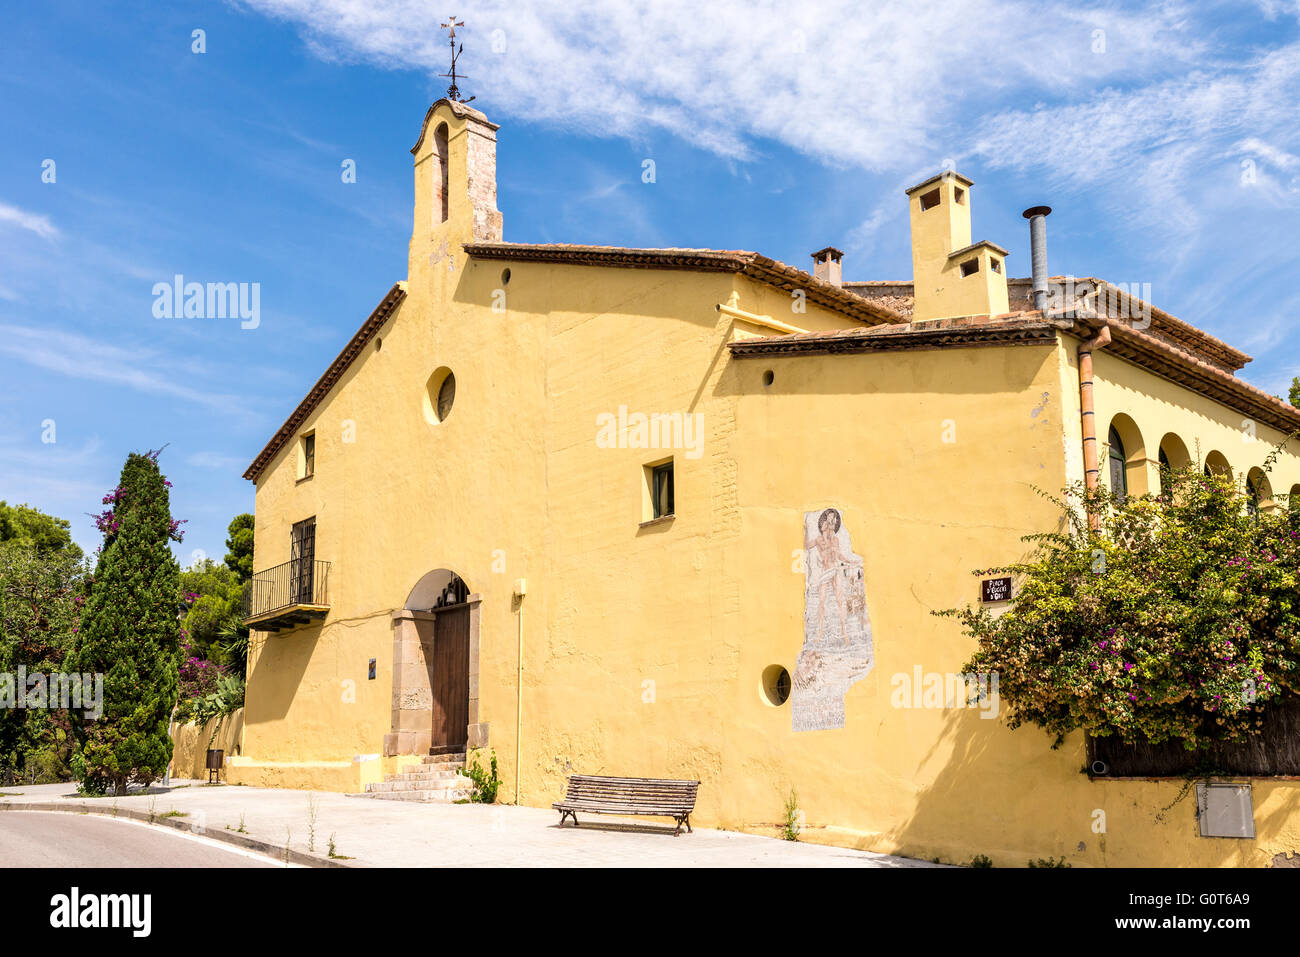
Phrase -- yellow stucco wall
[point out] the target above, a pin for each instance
(644, 646)
(190, 743)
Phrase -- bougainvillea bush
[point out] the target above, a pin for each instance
(1177, 620)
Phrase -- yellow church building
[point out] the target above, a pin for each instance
(685, 513)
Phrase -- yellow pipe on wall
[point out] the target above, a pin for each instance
(521, 588)
(757, 320)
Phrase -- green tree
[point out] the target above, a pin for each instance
(1294, 395)
(213, 593)
(131, 633)
(21, 523)
(239, 557)
(1179, 619)
(41, 590)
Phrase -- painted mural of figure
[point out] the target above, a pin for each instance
(837, 573)
(837, 644)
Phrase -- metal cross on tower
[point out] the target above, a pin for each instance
(453, 91)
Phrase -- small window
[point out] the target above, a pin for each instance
(446, 396)
(776, 685)
(970, 267)
(439, 396)
(1116, 461)
(930, 200)
(995, 265)
(307, 461)
(959, 195)
(659, 491)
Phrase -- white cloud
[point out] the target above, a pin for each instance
(832, 79)
(32, 222)
(216, 461)
(80, 357)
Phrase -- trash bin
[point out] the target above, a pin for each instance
(216, 757)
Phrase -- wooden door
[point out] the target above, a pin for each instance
(450, 680)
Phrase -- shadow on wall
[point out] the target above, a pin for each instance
(1000, 793)
(190, 743)
(1007, 795)
(280, 663)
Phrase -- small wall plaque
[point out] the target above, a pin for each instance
(995, 589)
(372, 669)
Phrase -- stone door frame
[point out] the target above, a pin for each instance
(412, 705)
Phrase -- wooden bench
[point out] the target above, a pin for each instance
(659, 797)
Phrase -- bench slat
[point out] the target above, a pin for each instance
(604, 794)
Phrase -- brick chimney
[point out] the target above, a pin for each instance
(827, 266)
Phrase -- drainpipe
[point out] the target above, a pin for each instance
(767, 321)
(521, 588)
(1091, 468)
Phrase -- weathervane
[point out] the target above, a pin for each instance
(453, 91)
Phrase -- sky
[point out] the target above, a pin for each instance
(133, 149)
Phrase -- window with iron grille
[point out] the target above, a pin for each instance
(302, 555)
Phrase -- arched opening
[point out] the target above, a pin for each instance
(1126, 457)
(1293, 499)
(1216, 463)
(1173, 456)
(435, 668)
(437, 589)
(1259, 492)
(440, 173)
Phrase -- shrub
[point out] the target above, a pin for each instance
(1178, 619)
(486, 782)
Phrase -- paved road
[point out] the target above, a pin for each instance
(406, 834)
(59, 839)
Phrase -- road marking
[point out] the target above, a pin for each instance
(187, 835)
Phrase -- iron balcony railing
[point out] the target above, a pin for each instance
(297, 582)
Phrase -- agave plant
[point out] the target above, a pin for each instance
(219, 704)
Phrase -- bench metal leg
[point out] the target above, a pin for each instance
(572, 814)
(684, 819)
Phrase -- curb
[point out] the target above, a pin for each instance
(180, 824)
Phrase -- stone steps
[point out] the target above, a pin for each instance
(400, 783)
(435, 780)
(443, 796)
(456, 760)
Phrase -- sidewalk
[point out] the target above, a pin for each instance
(402, 834)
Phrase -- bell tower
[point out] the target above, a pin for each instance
(455, 178)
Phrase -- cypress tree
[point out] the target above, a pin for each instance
(130, 633)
